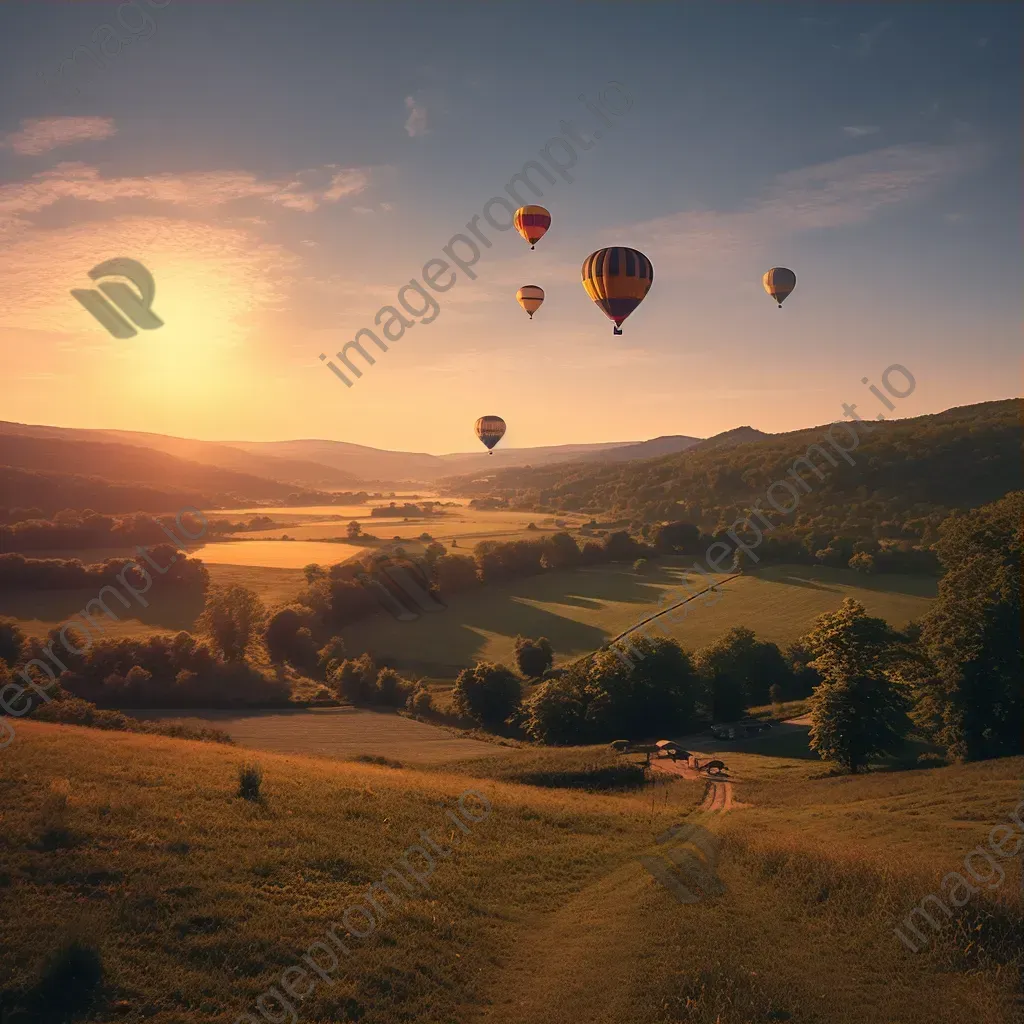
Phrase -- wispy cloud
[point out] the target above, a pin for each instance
(41, 134)
(828, 195)
(855, 131)
(416, 122)
(305, 191)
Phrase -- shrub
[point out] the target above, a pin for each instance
(488, 694)
(641, 564)
(775, 693)
(250, 778)
(355, 680)
(288, 637)
(533, 657)
(420, 702)
(69, 982)
(391, 689)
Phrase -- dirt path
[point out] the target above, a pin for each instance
(718, 797)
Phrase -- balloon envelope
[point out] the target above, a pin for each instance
(531, 222)
(490, 430)
(617, 279)
(530, 297)
(778, 283)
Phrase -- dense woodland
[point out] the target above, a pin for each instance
(906, 477)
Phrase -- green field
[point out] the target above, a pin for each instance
(38, 611)
(186, 902)
(581, 609)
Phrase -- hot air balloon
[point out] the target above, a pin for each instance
(778, 283)
(617, 279)
(530, 297)
(531, 222)
(490, 430)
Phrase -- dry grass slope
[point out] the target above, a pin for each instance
(193, 901)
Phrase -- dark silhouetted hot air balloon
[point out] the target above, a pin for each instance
(490, 430)
(530, 297)
(778, 283)
(531, 222)
(617, 279)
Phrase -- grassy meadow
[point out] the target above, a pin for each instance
(188, 902)
(578, 610)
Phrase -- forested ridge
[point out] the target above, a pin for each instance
(906, 476)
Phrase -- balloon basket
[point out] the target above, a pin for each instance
(616, 330)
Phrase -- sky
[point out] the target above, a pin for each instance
(282, 170)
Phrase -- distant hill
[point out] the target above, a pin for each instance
(293, 472)
(339, 465)
(668, 444)
(376, 464)
(728, 438)
(51, 492)
(122, 463)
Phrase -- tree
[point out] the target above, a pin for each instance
(391, 689)
(12, 640)
(489, 694)
(739, 665)
(557, 712)
(972, 634)
(433, 551)
(234, 620)
(862, 562)
(353, 530)
(856, 713)
(354, 679)
(533, 657)
(314, 572)
(678, 535)
(288, 637)
(561, 552)
(330, 656)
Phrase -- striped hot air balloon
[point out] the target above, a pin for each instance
(531, 222)
(530, 297)
(490, 430)
(778, 283)
(617, 279)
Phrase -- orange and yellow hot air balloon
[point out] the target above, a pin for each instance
(778, 283)
(617, 279)
(531, 222)
(490, 430)
(530, 297)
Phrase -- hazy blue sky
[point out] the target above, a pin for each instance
(283, 168)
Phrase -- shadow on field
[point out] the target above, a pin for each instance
(821, 577)
(173, 610)
(457, 636)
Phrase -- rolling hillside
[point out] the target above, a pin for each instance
(140, 886)
(904, 469)
(296, 472)
(122, 463)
